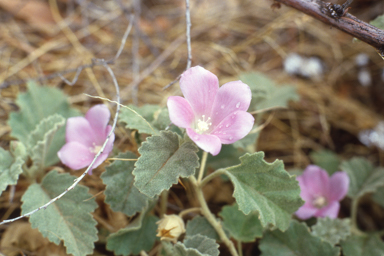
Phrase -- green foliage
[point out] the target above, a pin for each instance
(364, 178)
(40, 140)
(120, 192)
(369, 245)
(148, 119)
(10, 169)
(332, 230)
(265, 92)
(244, 228)
(378, 196)
(162, 162)
(378, 22)
(137, 236)
(229, 155)
(200, 225)
(196, 245)
(35, 105)
(296, 241)
(68, 219)
(327, 160)
(266, 188)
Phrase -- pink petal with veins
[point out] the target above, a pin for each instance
(339, 184)
(231, 97)
(206, 142)
(234, 127)
(98, 118)
(199, 87)
(180, 112)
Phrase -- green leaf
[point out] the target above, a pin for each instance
(137, 236)
(370, 245)
(146, 119)
(40, 139)
(378, 196)
(10, 169)
(266, 188)
(162, 162)
(120, 192)
(265, 92)
(378, 22)
(68, 219)
(296, 241)
(244, 228)
(203, 244)
(36, 104)
(200, 225)
(364, 178)
(196, 245)
(332, 230)
(327, 160)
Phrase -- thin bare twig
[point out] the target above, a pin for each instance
(188, 24)
(345, 22)
(189, 47)
(103, 63)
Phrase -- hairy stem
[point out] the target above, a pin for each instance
(211, 218)
(202, 166)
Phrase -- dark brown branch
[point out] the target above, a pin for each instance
(347, 23)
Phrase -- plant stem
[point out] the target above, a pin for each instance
(211, 176)
(163, 202)
(202, 166)
(239, 248)
(211, 218)
(354, 227)
(187, 211)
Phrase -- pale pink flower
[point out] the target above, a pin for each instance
(211, 115)
(85, 137)
(321, 193)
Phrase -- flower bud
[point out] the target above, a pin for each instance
(170, 227)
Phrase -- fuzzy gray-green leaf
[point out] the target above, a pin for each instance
(266, 188)
(120, 192)
(162, 162)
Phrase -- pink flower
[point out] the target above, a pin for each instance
(85, 137)
(321, 193)
(211, 115)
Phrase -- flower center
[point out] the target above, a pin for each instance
(319, 202)
(203, 125)
(95, 149)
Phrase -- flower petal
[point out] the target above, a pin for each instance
(75, 155)
(339, 184)
(206, 142)
(331, 210)
(306, 211)
(199, 87)
(231, 97)
(316, 181)
(180, 111)
(234, 127)
(304, 193)
(98, 118)
(78, 129)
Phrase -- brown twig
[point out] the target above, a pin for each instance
(347, 22)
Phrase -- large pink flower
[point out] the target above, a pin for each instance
(85, 137)
(321, 193)
(211, 115)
